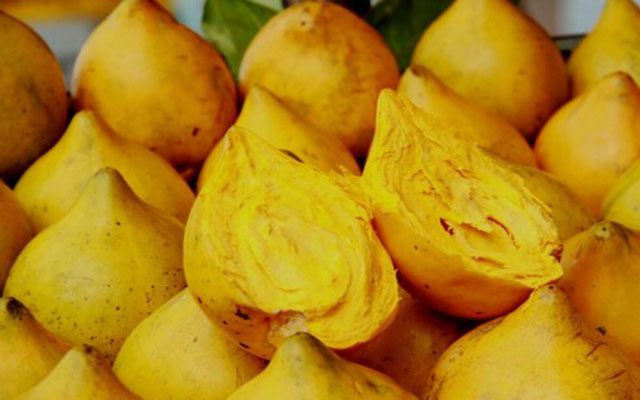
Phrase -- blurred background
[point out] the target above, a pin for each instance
(65, 24)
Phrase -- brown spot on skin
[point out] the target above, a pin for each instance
(195, 131)
(242, 315)
(602, 330)
(557, 253)
(446, 227)
(615, 375)
(15, 308)
(593, 350)
(244, 346)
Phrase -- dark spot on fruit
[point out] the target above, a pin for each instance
(225, 323)
(602, 330)
(557, 253)
(292, 155)
(244, 346)
(241, 314)
(446, 227)
(195, 131)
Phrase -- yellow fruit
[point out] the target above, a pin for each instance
(408, 349)
(464, 231)
(542, 350)
(33, 104)
(602, 281)
(274, 247)
(95, 274)
(326, 64)
(590, 141)
(177, 353)
(622, 203)
(568, 212)
(15, 231)
(156, 82)
(80, 375)
(303, 368)
(28, 352)
(481, 126)
(266, 117)
(53, 183)
(611, 46)
(493, 54)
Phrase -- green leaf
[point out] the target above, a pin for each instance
(402, 23)
(231, 24)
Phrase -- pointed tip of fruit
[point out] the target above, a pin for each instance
(303, 346)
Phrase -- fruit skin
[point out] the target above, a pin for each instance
(591, 140)
(48, 189)
(569, 214)
(82, 374)
(265, 116)
(15, 231)
(44, 10)
(542, 350)
(94, 275)
(465, 233)
(602, 281)
(267, 260)
(28, 351)
(622, 202)
(487, 129)
(326, 64)
(33, 105)
(177, 353)
(408, 349)
(471, 49)
(156, 82)
(304, 369)
(611, 46)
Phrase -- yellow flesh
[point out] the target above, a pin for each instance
(290, 243)
(470, 205)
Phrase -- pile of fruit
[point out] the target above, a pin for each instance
(351, 234)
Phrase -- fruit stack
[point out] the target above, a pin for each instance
(464, 231)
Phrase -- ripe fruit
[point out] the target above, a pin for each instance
(28, 352)
(15, 231)
(81, 375)
(590, 141)
(493, 54)
(466, 234)
(156, 82)
(602, 281)
(274, 247)
(622, 203)
(611, 46)
(326, 64)
(481, 126)
(568, 212)
(303, 368)
(543, 350)
(48, 189)
(177, 353)
(95, 274)
(408, 349)
(33, 105)
(268, 118)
